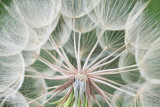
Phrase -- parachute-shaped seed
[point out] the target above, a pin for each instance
(39, 36)
(147, 96)
(111, 40)
(142, 29)
(34, 87)
(13, 31)
(112, 14)
(77, 8)
(11, 74)
(149, 62)
(127, 59)
(39, 13)
(82, 24)
(122, 99)
(150, 95)
(17, 100)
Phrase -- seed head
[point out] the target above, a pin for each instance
(81, 77)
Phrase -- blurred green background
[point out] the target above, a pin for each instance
(154, 5)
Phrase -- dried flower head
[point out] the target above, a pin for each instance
(79, 53)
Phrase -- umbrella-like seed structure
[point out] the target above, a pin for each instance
(79, 53)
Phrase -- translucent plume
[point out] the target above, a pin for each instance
(38, 13)
(11, 74)
(13, 31)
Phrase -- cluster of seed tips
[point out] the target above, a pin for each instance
(81, 77)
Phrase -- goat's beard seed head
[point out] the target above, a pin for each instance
(94, 62)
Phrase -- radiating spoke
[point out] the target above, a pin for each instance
(46, 94)
(96, 58)
(101, 78)
(108, 84)
(54, 67)
(51, 97)
(60, 54)
(98, 65)
(107, 57)
(124, 71)
(79, 57)
(97, 102)
(88, 57)
(51, 77)
(115, 70)
(100, 92)
(66, 97)
(69, 69)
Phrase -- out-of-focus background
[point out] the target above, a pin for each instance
(154, 5)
